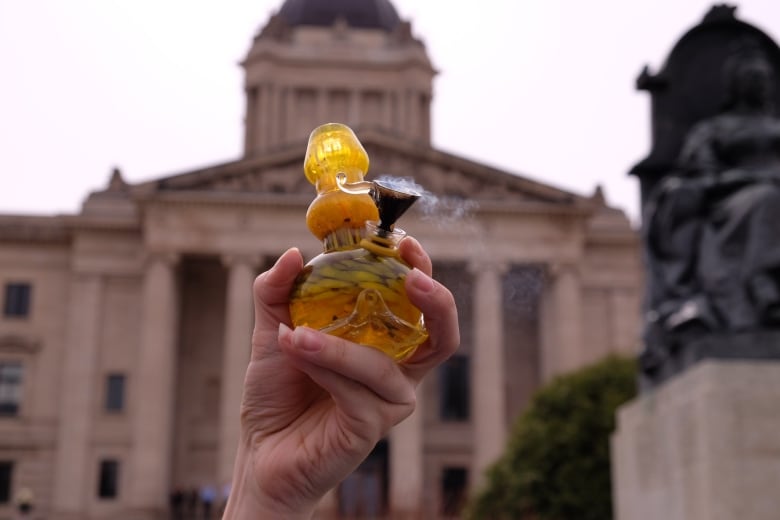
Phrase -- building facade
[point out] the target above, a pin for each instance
(125, 329)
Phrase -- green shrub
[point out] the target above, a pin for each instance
(556, 465)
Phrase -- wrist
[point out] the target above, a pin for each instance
(247, 501)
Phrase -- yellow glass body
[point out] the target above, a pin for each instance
(358, 294)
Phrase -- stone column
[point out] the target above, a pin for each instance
(625, 316)
(273, 116)
(321, 114)
(425, 114)
(289, 116)
(406, 466)
(564, 315)
(387, 109)
(400, 96)
(260, 119)
(251, 121)
(264, 121)
(152, 427)
(488, 385)
(235, 356)
(73, 471)
(355, 103)
(409, 112)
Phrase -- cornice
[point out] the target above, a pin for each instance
(210, 198)
(196, 198)
(34, 229)
(101, 222)
(628, 238)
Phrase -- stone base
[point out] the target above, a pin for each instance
(703, 446)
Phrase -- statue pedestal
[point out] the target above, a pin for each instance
(703, 446)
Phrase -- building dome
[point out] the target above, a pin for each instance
(365, 14)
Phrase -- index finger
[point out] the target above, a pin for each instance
(441, 319)
(414, 254)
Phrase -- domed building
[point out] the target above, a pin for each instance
(125, 332)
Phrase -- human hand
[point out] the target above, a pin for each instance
(315, 405)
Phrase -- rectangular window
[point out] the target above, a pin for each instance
(454, 389)
(10, 388)
(17, 299)
(108, 479)
(454, 482)
(6, 474)
(115, 393)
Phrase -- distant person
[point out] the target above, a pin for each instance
(191, 501)
(25, 500)
(177, 504)
(208, 495)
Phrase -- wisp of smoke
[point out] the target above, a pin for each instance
(445, 211)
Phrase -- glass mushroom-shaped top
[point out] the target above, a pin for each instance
(334, 157)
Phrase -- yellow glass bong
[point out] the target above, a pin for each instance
(354, 289)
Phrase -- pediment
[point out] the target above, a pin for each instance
(275, 173)
(449, 175)
(437, 172)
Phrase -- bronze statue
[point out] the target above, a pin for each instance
(712, 228)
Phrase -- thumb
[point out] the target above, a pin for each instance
(271, 292)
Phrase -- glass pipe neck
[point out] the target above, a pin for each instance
(377, 240)
(343, 238)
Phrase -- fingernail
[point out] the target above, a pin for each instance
(307, 339)
(421, 281)
(285, 334)
(284, 254)
(414, 241)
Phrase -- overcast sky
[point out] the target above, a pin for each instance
(540, 88)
